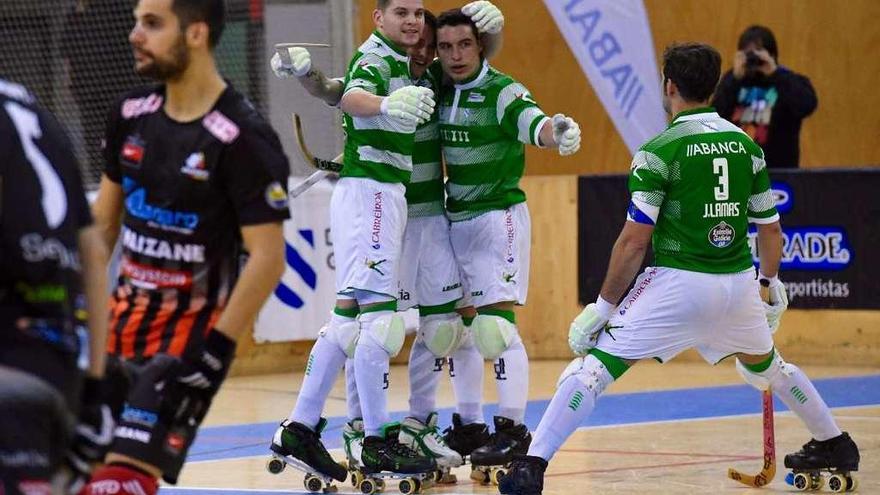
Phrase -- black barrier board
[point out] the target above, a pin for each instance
(830, 221)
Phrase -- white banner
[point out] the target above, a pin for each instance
(302, 302)
(611, 40)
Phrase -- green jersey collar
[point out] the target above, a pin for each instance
(474, 80)
(695, 114)
(397, 52)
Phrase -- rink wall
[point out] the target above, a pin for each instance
(816, 336)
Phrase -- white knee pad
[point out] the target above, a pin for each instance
(493, 335)
(441, 333)
(344, 335)
(590, 371)
(764, 379)
(387, 331)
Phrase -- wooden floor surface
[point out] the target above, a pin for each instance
(666, 456)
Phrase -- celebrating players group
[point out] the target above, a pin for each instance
(427, 213)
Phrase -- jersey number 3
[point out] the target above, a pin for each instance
(54, 200)
(719, 168)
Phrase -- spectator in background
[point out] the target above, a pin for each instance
(767, 100)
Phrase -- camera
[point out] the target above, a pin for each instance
(753, 61)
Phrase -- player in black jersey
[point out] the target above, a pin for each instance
(50, 273)
(192, 173)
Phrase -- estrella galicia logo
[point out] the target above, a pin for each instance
(810, 248)
(721, 235)
(783, 195)
(299, 265)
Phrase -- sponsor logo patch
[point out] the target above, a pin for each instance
(276, 196)
(132, 152)
(721, 235)
(196, 167)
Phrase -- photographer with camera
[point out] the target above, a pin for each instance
(767, 100)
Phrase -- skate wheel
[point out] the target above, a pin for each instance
(480, 476)
(837, 483)
(801, 482)
(356, 478)
(853, 484)
(313, 483)
(275, 465)
(816, 481)
(408, 486)
(368, 486)
(496, 474)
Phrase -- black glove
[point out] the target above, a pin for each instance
(205, 368)
(93, 434)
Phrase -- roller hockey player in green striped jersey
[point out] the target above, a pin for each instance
(695, 188)
(486, 118)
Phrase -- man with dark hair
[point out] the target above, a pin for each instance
(695, 188)
(486, 119)
(767, 100)
(192, 173)
(50, 274)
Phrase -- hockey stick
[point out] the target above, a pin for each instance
(768, 471)
(318, 163)
(325, 167)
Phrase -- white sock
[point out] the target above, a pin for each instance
(352, 400)
(325, 361)
(571, 405)
(796, 390)
(466, 371)
(371, 375)
(512, 381)
(424, 376)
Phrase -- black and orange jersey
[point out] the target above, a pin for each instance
(188, 187)
(42, 209)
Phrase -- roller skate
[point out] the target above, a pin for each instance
(296, 445)
(464, 438)
(425, 439)
(385, 458)
(353, 443)
(526, 476)
(838, 456)
(489, 463)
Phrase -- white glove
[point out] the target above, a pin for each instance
(583, 334)
(301, 63)
(567, 134)
(409, 104)
(778, 301)
(485, 15)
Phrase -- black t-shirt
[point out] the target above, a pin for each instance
(188, 188)
(42, 209)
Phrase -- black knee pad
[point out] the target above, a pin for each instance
(160, 418)
(35, 426)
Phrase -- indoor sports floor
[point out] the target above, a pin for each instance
(667, 429)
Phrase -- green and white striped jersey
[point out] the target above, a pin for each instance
(701, 181)
(424, 193)
(483, 125)
(378, 147)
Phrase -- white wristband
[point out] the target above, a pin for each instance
(383, 107)
(604, 308)
(771, 281)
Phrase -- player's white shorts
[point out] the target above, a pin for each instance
(367, 219)
(670, 310)
(493, 253)
(428, 271)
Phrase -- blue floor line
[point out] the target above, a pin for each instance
(244, 440)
